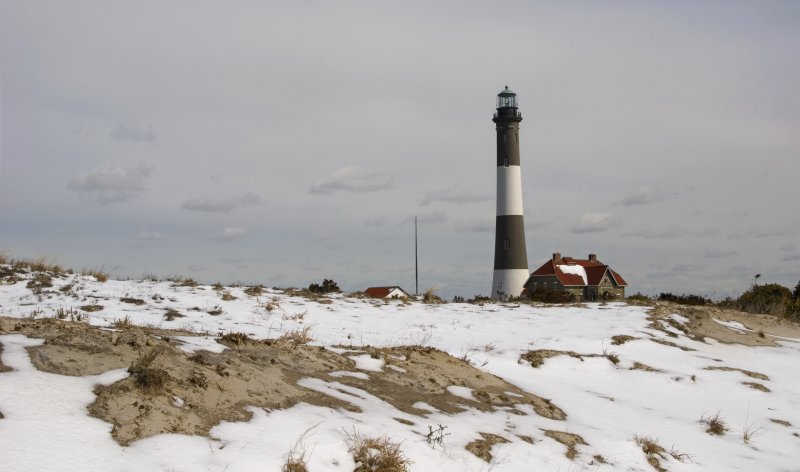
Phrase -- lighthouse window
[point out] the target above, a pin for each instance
(505, 138)
(505, 162)
(507, 244)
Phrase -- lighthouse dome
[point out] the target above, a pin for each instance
(507, 98)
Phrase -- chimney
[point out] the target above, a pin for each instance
(556, 257)
(592, 257)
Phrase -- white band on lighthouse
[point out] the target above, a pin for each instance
(509, 191)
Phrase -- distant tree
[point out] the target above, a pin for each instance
(796, 293)
(327, 286)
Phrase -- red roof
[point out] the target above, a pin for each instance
(382, 292)
(595, 270)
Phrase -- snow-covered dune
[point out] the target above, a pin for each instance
(626, 378)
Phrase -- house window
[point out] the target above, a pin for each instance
(505, 162)
(505, 139)
(507, 244)
(534, 286)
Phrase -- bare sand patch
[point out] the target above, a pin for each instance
(749, 373)
(568, 439)
(482, 448)
(764, 330)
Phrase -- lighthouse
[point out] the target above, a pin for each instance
(510, 256)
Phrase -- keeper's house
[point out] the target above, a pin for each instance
(587, 279)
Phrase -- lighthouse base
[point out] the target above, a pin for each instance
(508, 283)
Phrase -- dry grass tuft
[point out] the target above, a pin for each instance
(652, 450)
(92, 308)
(134, 301)
(254, 290)
(379, 454)
(430, 296)
(226, 296)
(297, 337)
(39, 282)
(171, 314)
(99, 274)
(714, 424)
(123, 323)
(149, 378)
(621, 339)
(235, 338)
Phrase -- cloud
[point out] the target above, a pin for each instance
(375, 222)
(228, 234)
(791, 258)
(596, 223)
(479, 226)
(429, 217)
(147, 235)
(351, 180)
(758, 233)
(458, 197)
(714, 254)
(670, 233)
(126, 133)
(111, 184)
(642, 196)
(210, 205)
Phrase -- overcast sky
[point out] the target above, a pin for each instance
(284, 142)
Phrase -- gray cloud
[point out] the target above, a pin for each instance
(210, 205)
(642, 196)
(669, 233)
(596, 223)
(375, 222)
(791, 258)
(477, 226)
(716, 254)
(759, 233)
(351, 180)
(427, 217)
(229, 233)
(457, 196)
(127, 133)
(111, 184)
(147, 235)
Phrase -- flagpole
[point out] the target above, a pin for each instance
(416, 260)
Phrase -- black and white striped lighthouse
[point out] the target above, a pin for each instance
(510, 256)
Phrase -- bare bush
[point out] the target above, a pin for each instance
(376, 454)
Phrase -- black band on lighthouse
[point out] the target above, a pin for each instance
(509, 243)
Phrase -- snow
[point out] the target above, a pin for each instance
(367, 362)
(341, 373)
(733, 325)
(192, 344)
(574, 270)
(46, 425)
(461, 391)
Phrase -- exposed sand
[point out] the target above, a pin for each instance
(764, 330)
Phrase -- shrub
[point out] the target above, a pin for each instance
(458, 299)
(638, 297)
(771, 299)
(552, 296)
(478, 299)
(327, 286)
(684, 299)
